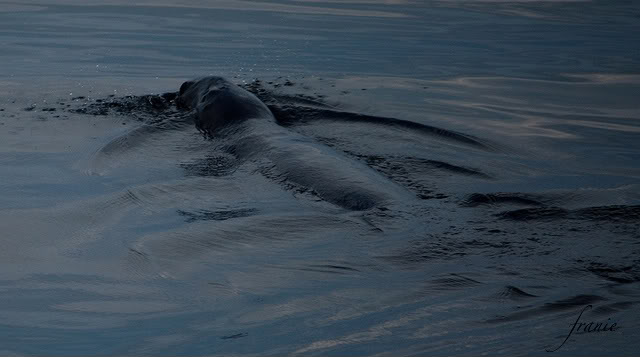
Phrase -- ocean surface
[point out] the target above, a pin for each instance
(505, 133)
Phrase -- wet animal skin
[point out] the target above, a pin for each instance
(224, 111)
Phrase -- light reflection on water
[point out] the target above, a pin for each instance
(117, 238)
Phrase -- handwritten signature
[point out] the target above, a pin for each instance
(587, 327)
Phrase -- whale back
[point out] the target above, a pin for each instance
(218, 103)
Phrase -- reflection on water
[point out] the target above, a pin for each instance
(509, 126)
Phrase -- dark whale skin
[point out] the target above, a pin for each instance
(225, 111)
(218, 102)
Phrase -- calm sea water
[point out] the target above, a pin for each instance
(511, 127)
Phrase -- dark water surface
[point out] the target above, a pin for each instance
(506, 134)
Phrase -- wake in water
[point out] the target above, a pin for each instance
(313, 162)
(302, 159)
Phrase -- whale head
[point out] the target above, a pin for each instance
(191, 92)
(218, 103)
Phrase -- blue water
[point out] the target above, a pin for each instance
(506, 133)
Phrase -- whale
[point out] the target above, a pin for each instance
(231, 116)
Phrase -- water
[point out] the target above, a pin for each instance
(506, 135)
